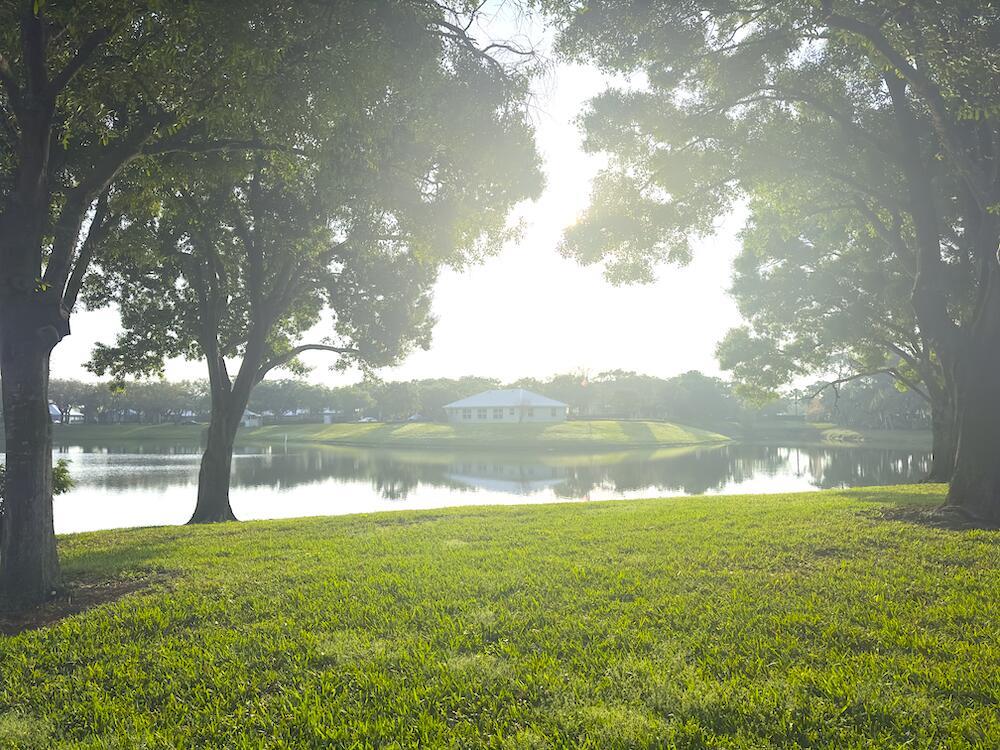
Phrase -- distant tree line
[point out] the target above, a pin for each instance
(691, 398)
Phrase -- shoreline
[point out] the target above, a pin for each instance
(562, 437)
(580, 436)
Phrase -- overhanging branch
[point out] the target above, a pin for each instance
(286, 357)
(867, 374)
(846, 379)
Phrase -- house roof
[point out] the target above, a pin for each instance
(508, 397)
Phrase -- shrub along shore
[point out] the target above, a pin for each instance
(827, 620)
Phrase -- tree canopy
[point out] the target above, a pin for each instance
(880, 119)
(235, 257)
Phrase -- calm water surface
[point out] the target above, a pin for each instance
(153, 484)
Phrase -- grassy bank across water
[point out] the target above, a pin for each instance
(576, 435)
(821, 620)
(825, 434)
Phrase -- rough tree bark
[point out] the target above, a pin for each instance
(213, 504)
(945, 442)
(30, 326)
(229, 401)
(32, 322)
(975, 485)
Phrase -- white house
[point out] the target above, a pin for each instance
(511, 405)
(251, 419)
(75, 415)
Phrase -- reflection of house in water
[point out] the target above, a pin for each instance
(516, 478)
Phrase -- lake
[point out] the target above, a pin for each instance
(150, 484)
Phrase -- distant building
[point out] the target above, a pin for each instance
(75, 416)
(251, 419)
(511, 405)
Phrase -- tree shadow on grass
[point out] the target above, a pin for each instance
(78, 595)
(92, 577)
(948, 519)
(929, 512)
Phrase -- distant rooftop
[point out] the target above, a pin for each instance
(508, 397)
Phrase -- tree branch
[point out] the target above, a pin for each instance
(33, 47)
(218, 374)
(83, 54)
(7, 122)
(927, 89)
(846, 379)
(9, 82)
(285, 358)
(867, 374)
(252, 241)
(849, 126)
(108, 163)
(95, 233)
(891, 236)
(175, 144)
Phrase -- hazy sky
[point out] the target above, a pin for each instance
(528, 311)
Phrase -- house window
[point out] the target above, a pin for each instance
(555, 412)
(531, 412)
(511, 412)
(498, 413)
(481, 413)
(466, 413)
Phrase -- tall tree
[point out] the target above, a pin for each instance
(89, 88)
(85, 88)
(249, 255)
(741, 100)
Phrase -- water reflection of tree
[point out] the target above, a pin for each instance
(391, 477)
(121, 467)
(395, 475)
(854, 467)
(692, 472)
(716, 468)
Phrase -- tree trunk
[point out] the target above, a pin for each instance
(216, 464)
(975, 486)
(945, 436)
(29, 565)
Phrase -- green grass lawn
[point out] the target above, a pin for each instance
(808, 620)
(577, 435)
